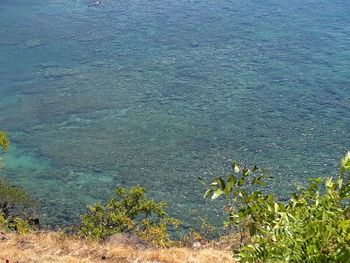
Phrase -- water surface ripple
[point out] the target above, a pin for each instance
(160, 92)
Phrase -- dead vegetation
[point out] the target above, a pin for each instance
(56, 247)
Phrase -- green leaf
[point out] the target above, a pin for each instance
(200, 179)
(344, 224)
(215, 183)
(240, 182)
(232, 179)
(228, 188)
(208, 193)
(246, 172)
(312, 225)
(222, 183)
(217, 193)
(235, 167)
(345, 164)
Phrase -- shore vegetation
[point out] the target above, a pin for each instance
(312, 225)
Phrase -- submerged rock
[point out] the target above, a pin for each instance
(194, 43)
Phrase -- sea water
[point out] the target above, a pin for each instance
(157, 93)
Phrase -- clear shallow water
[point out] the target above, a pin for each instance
(158, 93)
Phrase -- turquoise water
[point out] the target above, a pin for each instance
(158, 93)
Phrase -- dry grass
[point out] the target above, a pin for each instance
(54, 247)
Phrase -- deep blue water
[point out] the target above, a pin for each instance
(160, 92)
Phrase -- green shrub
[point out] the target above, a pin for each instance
(312, 226)
(13, 200)
(20, 225)
(2, 222)
(16, 209)
(16, 206)
(129, 211)
(4, 142)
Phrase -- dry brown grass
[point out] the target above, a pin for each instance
(54, 247)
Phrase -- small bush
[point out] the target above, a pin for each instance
(13, 200)
(16, 209)
(4, 142)
(312, 226)
(16, 206)
(129, 211)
